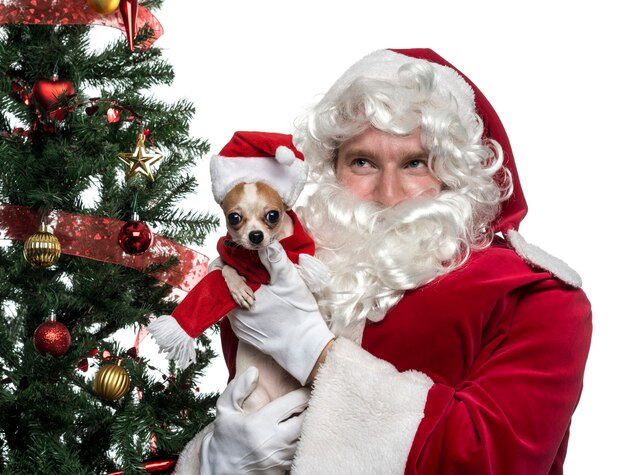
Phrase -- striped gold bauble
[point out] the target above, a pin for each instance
(43, 248)
(112, 381)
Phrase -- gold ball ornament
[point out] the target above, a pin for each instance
(42, 249)
(112, 381)
(103, 6)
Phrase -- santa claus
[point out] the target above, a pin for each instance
(444, 344)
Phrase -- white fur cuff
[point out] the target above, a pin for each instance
(189, 459)
(173, 340)
(362, 416)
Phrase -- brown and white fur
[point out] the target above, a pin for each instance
(255, 217)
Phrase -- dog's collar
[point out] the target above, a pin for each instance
(229, 243)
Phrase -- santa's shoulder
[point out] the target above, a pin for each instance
(498, 262)
(497, 269)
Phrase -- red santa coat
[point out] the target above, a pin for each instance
(505, 347)
(486, 368)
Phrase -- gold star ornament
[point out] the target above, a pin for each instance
(140, 161)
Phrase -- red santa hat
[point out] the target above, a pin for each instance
(267, 157)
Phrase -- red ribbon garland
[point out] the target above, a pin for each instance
(95, 237)
(74, 12)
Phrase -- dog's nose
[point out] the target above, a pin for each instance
(256, 237)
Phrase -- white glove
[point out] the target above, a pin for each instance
(260, 442)
(285, 321)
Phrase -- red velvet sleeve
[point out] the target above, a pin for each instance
(511, 413)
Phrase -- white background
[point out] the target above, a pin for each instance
(553, 71)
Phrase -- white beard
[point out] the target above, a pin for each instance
(375, 254)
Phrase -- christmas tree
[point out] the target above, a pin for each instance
(92, 169)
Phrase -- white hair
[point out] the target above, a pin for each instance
(366, 246)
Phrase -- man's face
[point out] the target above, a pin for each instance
(385, 168)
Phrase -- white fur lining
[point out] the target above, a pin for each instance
(189, 459)
(362, 416)
(173, 340)
(540, 258)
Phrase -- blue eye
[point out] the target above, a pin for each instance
(272, 216)
(416, 164)
(234, 219)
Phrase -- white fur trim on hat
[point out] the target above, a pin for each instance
(362, 416)
(384, 64)
(536, 256)
(287, 180)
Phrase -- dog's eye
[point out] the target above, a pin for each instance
(234, 219)
(272, 216)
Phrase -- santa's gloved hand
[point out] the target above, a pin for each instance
(285, 321)
(260, 442)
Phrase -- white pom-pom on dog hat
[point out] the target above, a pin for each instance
(267, 157)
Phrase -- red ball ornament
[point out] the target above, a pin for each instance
(47, 92)
(113, 115)
(135, 236)
(52, 337)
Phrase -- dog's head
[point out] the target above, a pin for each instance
(254, 214)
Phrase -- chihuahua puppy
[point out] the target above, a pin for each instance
(255, 217)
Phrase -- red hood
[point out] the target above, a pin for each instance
(514, 209)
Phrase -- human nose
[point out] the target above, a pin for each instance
(389, 191)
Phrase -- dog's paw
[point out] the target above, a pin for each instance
(239, 290)
(243, 295)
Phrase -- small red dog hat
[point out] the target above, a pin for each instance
(267, 157)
